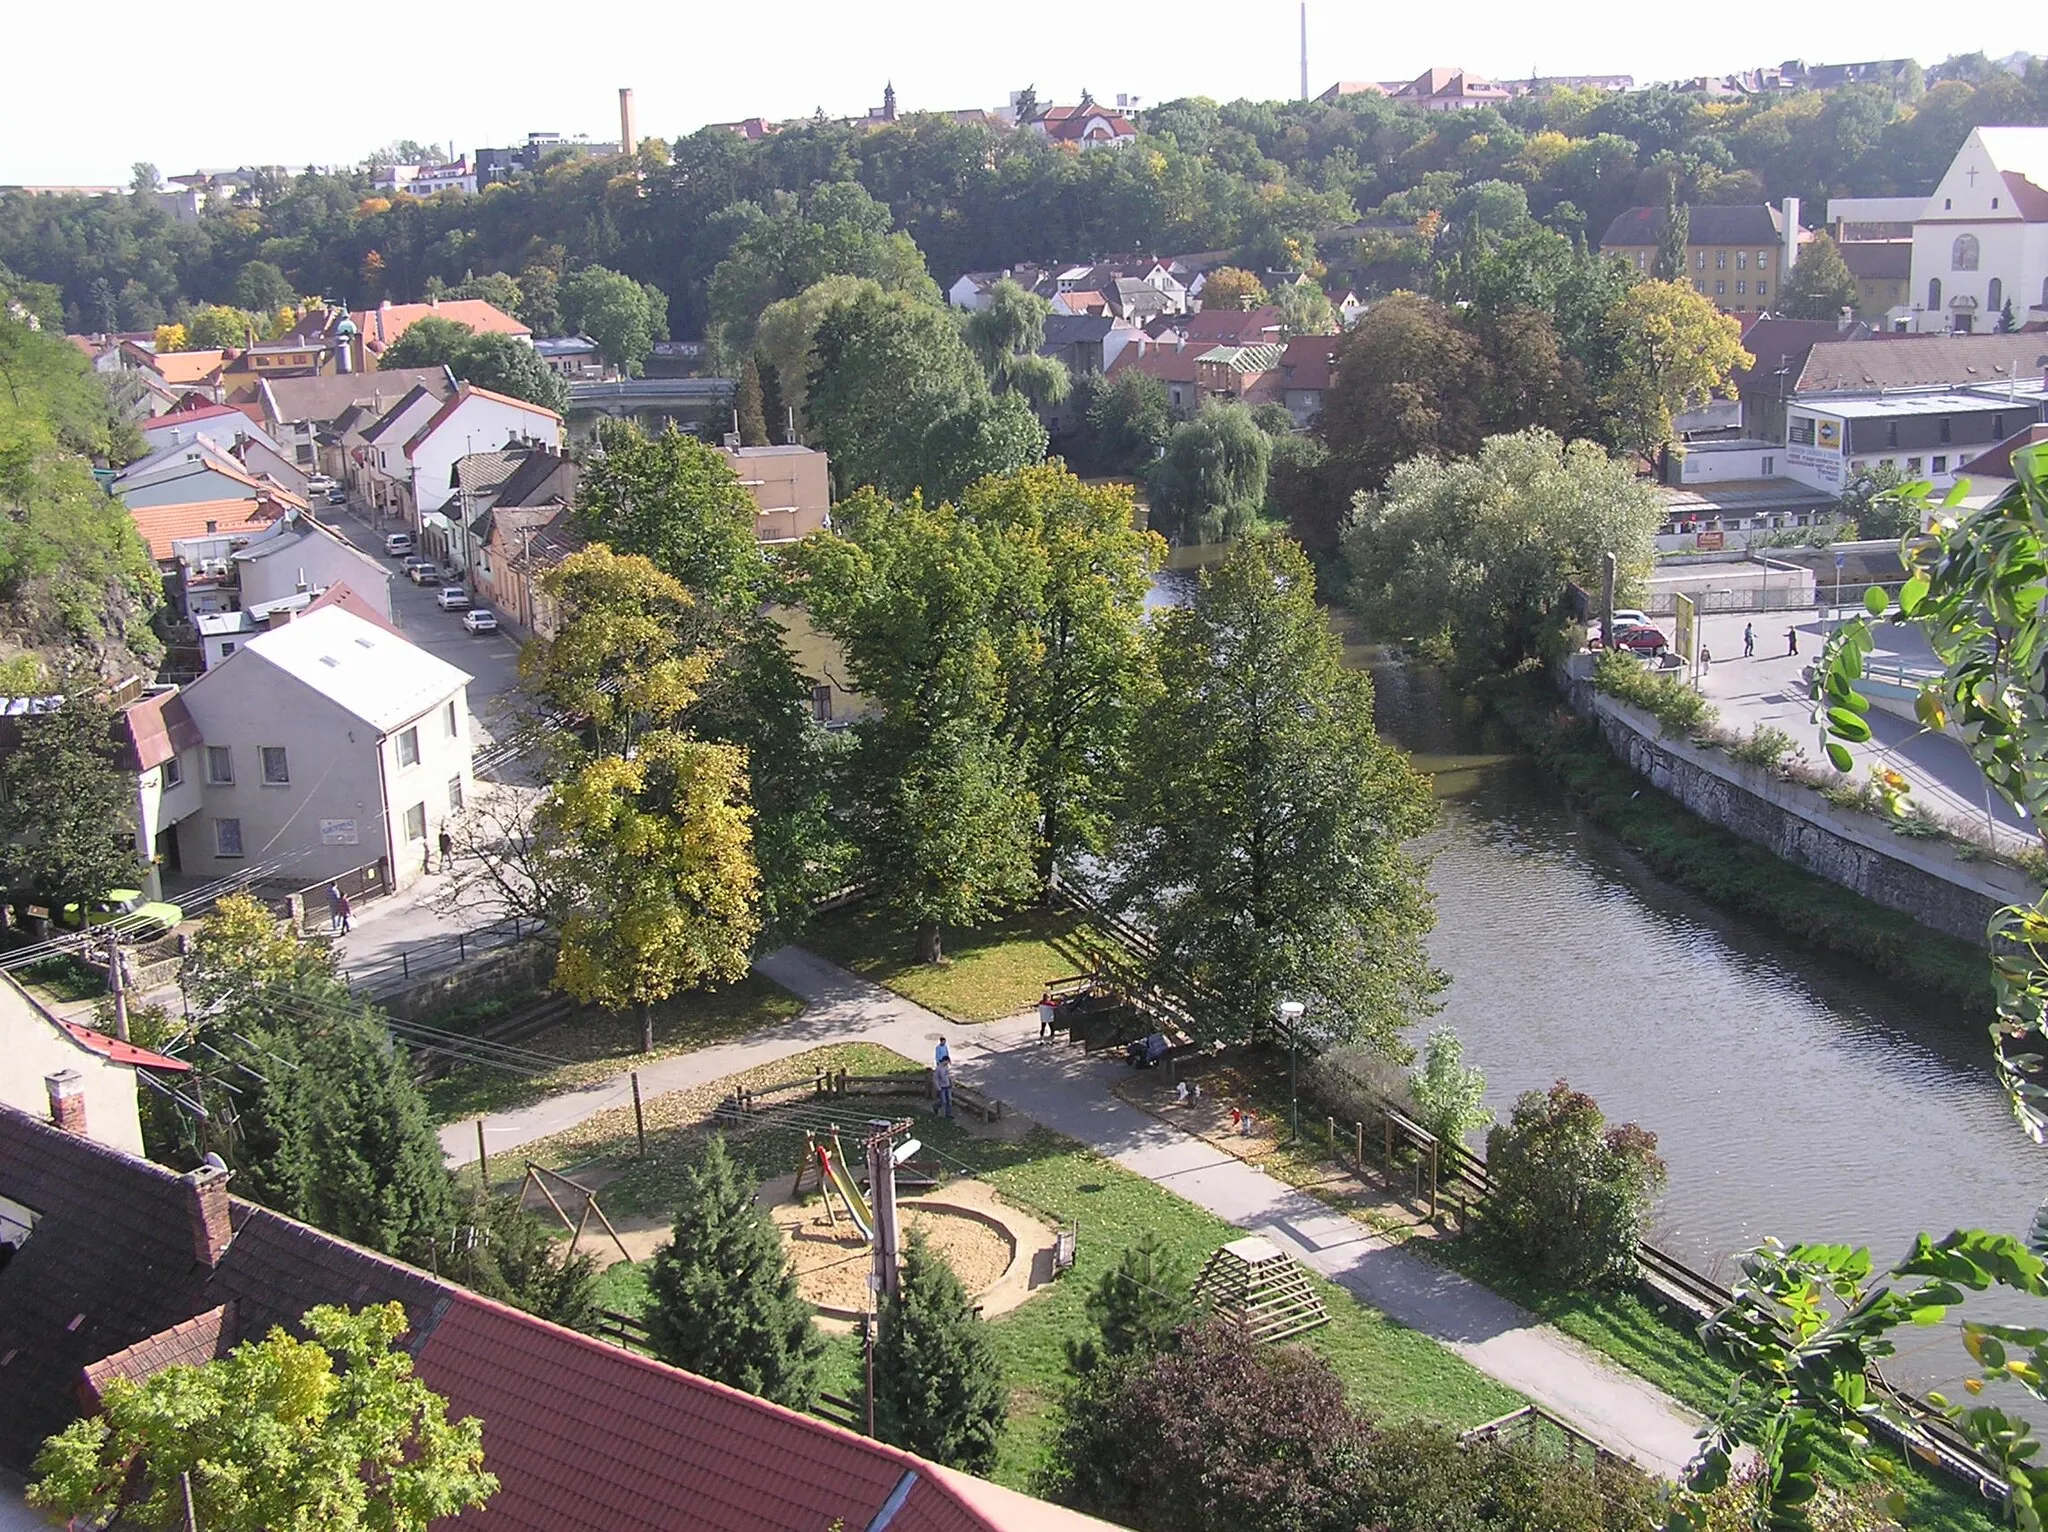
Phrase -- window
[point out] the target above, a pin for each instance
(416, 822)
(1994, 299)
(227, 648)
(220, 765)
(1699, 261)
(1948, 204)
(1799, 431)
(455, 795)
(1720, 288)
(1742, 260)
(227, 837)
(821, 703)
(1941, 462)
(1763, 258)
(1741, 287)
(1759, 287)
(1720, 260)
(1934, 292)
(277, 771)
(1946, 423)
(1994, 204)
(409, 746)
(448, 718)
(1639, 260)
(1962, 255)
(174, 772)
(1912, 465)
(1698, 286)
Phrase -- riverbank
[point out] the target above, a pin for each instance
(1724, 869)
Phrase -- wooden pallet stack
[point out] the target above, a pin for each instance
(1255, 1283)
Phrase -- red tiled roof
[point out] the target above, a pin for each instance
(1167, 363)
(199, 1339)
(1234, 327)
(162, 525)
(155, 729)
(1305, 361)
(381, 326)
(185, 366)
(120, 1052)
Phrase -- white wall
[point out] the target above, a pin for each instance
(32, 1047)
(444, 758)
(1718, 466)
(476, 425)
(322, 561)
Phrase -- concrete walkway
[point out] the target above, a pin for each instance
(1070, 1093)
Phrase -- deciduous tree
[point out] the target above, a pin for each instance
(64, 803)
(1305, 310)
(722, 1294)
(1403, 388)
(1821, 285)
(938, 1385)
(1672, 349)
(334, 1431)
(623, 316)
(1263, 845)
(1232, 289)
(1571, 1195)
(1449, 1094)
(1005, 335)
(1211, 485)
(503, 363)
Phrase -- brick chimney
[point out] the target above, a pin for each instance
(67, 1100)
(211, 1226)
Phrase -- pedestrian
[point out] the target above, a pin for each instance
(942, 1054)
(1046, 1012)
(345, 911)
(942, 1083)
(1749, 640)
(1706, 660)
(447, 849)
(334, 904)
(1791, 642)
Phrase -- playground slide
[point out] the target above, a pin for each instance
(842, 1183)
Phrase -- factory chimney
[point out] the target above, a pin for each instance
(629, 141)
(1304, 50)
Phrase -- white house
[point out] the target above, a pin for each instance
(221, 424)
(328, 743)
(68, 1074)
(183, 473)
(160, 744)
(387, 469)
(1981, 241)
(473, 420)
(299, 556)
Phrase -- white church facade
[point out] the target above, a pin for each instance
(1981, 242)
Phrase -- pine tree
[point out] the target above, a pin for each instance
(1138, 1305)
(722, 1293)
(938, 1386)
(507, 1253)
(1672, 237)
(747, 405)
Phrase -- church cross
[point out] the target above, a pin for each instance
(1970, 175)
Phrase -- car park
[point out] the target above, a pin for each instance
(140, 917)
(452, 598)
(480, 620)
(397, 544)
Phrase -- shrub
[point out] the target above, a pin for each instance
(1447, 1093)
(1570, 1194)
(938, 1386)
(1419, 1478)
(1766, 747)
(1137, 1306)
(1666, 698)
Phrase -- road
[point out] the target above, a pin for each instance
(1069, 1092)
(1771, 688)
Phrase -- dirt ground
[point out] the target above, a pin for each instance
(832, 1264)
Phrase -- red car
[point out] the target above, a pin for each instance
(1644, 640)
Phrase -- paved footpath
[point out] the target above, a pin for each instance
(1070, 1093)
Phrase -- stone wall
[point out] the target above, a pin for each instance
(515, 973)
(1921, 878)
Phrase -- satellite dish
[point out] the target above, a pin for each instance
(215, 1162)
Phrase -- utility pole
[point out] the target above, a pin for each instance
(115, 986)
(1607, 600)
(882, 1202)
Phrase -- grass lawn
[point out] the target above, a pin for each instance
(594, 1046)
(1393, 1372)
(995, 971)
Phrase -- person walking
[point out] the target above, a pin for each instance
(345, 912)
(942, 1054)
(1706, 661)
(1749, 640)
(447, 849)
(1791, 642)
(334, 904)
(942, 1084)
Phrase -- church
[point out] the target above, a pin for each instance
(1980, 245)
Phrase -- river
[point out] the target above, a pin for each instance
(1792, 1094)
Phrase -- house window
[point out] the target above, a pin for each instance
(174, 772)
(455, 795)
(1948, 204)
(1941, 463)
(1762, 259)
(1994, 300)
(1770, 466)
(1912, 465)
(1962, 255)
(220, 766)
(1934, 292)
(1742, 260)
(821, 703)
(1994, 204)
(416, 822)
(1741, 287)
(409, 747)
(227, 837)
(227, 648)
(1698, 286)
(448, 718)
(277, 772)
(1891, 433)
(1759, 287)
(1700, 261)
(1720, 260)
(1720, 288)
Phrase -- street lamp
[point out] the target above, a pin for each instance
(1290, 1018)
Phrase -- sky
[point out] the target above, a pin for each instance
(490, 73)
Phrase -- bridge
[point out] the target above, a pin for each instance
(691, 403)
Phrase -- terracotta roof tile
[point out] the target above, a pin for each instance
(381, 327)
(162, 525)
(155, 729)
(199, 1339)
(120, 1052)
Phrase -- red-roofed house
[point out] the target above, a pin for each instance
(1306, 364)
(1172, 362)
(472, 420)
(379, 328)
(163, 525)
(129, 1267)
(160, 744)
(1086, 126)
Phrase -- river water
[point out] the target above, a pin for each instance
(1791, 1094)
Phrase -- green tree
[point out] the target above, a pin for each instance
(217, 326)
(623, 316)
(1129, 421)
(1474, 557)
(1211, 485)
(1290, 881)
(1232, 288)
(722, 1294)
(676, 502)
(788, 332)
(505, 1252)
(943, 816)
(65, 802)
(243, 961)
(1672, 349)
(1571, 1196)
(261, 288)
(938, 1384)
(1821, 285)
(1005, 336)
(495, 288)
(1402, 389)
(1871, 499)
(1305, 310)
(1449, 1094)
(746, 405)
(1139, 1305)
(333, 1431)
(1674, 231)
(143, 179)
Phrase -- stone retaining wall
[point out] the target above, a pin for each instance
(518, 972)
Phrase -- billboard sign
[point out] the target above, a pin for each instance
(1685, 626)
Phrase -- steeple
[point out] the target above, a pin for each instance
(889, 102)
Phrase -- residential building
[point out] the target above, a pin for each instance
(1883, 270)
(223, 631)
(160, 744)
(69, 1075)
(471, 420)
(1434, 90)
(1990, 474)
(1780, 348)
(571, 356)
(119, 1267)
(187, 472)
(520, 546)
(1233, 327)
(1307, 363)
(297, 411)
(791, 486)
(970, 289)
(194, 370)
(1172, 362)
(1248, 375)
(163, 527)
(379, 328)
(329, 743)
(221, 424)
(1922, 435)
(508, 496)
(375, 461)
(298, 555)
(1086, 126)
(1981, 242)
(1739, 256)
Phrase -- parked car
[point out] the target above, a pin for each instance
(423, 571)
(145, 918)
(397, 544)
(452, 598)
(479, 620)
(1644, 639)
(1629, 617)
(337, 496)
(318, 484)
